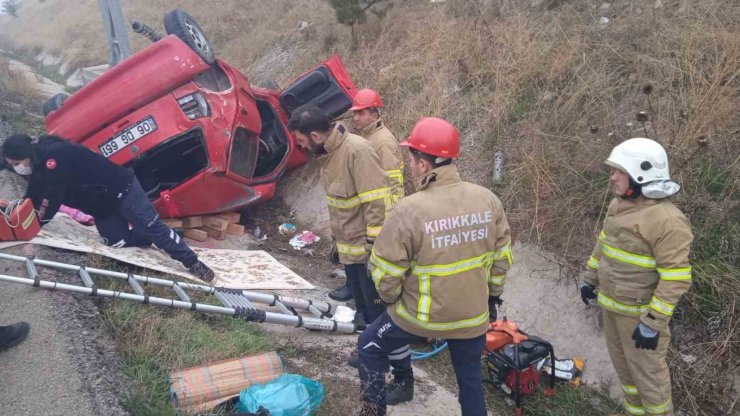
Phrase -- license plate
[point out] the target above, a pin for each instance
(128, 136)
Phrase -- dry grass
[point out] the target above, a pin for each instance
(19, 100)
(153, 342)
(555, 90)
(15, 87)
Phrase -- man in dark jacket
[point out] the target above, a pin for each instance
(61, 172)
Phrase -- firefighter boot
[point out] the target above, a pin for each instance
(12, 335)
(399, 392)
(341, 294)
(201, 271)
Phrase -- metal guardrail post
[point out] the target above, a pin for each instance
(115, 28)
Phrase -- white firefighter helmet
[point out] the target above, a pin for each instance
(644, 160)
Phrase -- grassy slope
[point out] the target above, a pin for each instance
(554, 90)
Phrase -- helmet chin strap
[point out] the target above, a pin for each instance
(634, 191)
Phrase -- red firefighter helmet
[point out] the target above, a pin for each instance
(366, 98)
(436, 137)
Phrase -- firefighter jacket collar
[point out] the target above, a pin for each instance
(371, 128)
(337, 136)
(443, 175)
(624, 205)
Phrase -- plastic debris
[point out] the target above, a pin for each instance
(258, 234)
(688, 358)
(604, 20)
(287, 229)
(338, 273)
(77, 215)
(288, 395)
(344, 314)
(304, 239)
(498, 165)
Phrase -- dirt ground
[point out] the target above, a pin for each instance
(539, 294)
(316, 354)
(544, 303)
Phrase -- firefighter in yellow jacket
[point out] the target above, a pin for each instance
(366, 106)
(640, 266)
(440, 264)
(357, 194)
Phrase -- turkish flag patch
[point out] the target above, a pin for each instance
(51, 164)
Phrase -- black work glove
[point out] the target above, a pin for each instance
(369, 241)
(334, 254)
(493, 301)
(646, 338)
(588, 293)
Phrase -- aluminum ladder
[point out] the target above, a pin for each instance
(235, 302)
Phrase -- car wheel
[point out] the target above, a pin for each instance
(182, 25)
(54, 103)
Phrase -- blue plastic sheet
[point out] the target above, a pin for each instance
(288, 395)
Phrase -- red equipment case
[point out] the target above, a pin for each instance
(20, 224)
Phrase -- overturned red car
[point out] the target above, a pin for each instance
(199, 138)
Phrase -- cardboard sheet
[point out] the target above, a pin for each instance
(240, 269)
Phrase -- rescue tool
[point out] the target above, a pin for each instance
(513, 360)
(235, 302)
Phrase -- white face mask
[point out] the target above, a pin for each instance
(23, 169)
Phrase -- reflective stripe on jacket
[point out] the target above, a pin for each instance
(641, 259)
(389, 151)
(357, 193)
(440, 254)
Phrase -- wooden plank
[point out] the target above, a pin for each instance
(232, 217)
(215, 234)
(216, 223)
(235, 229)
(196, 234)
(192, 222)
(173, 223)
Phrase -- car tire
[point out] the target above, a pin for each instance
(182, 25)
(54, 103)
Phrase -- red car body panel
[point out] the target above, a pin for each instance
(218, 174)
(151, 72)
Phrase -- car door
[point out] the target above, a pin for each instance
(327, 86)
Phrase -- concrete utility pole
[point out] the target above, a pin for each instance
(115, 28)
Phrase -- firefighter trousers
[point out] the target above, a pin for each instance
(369, 304)
(383, 339)
(366, 297)
(644, 374)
